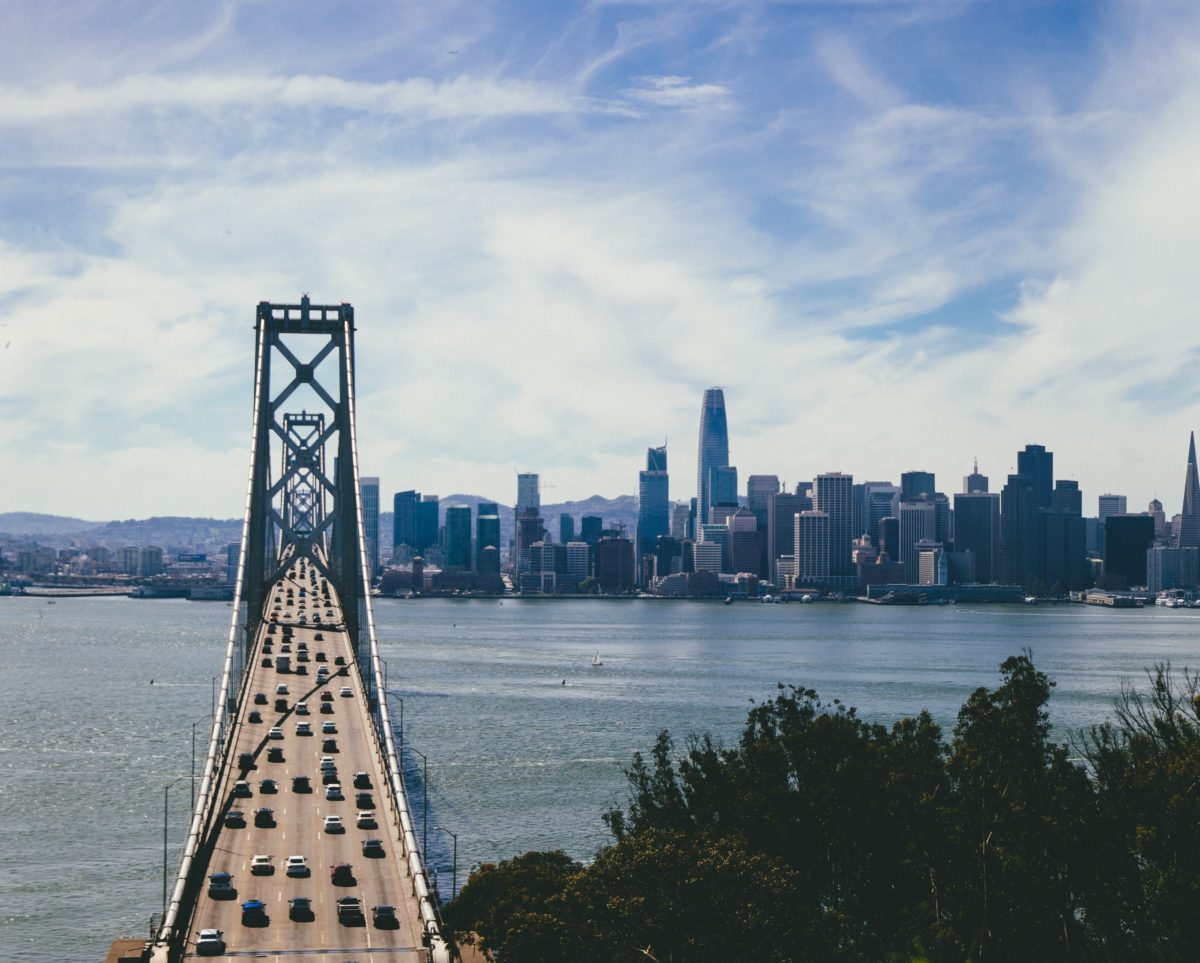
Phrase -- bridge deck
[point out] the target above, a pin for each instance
(299, 817)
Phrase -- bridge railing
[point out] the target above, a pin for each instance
(176, 917)
(371, 670)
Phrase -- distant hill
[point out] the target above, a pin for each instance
(32, 523)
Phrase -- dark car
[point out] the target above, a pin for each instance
(268, 786)
(255, 716)
(220, 886)
(319, 637)
(328, 777)
(384, 916)
(362, 780)
(320, 656)
(364, 800)
(246, 760)
(281, 705)
(301, 784)
(275, 754)
(326, 708)
(270, 630)
(267, 662)
(301, 670)
(329, 745)
(264, 817)
(342, 874)
(260, 698)
(326, 695)
(350, 911)
(301, 656)
(300, 909)
(235, 819)
(373, 848)
(340, 660)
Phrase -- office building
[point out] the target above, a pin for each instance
(654, 504)
(368, 488)
(873, 500)
(743, 542)
(915, 485)
(760, 489)
(404, 523)
(428, 523)
(1172, 568)
(681, 521)
(917, 523)
(1019, 533)
(718, 534)
(707, 557)
(813, 553)
(458, 536)
(713, 448)
(487, 536)
(150, 561)
(528, 492)
(590, 527)
(782, 509)
(566, 528)
(833, 494)
(1188, 535)
(889, 538)
(1127, 539)
(614, 564)
(722, 488)
(1037, 464)
(975, 483)
(977, 530)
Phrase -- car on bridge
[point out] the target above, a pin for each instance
(346, 692)
(255, 716)
(301, 708)
(264, 817)
(373, 848)
(300, 909)
(342, 874)
(362, 780)
(282, 688)
(329, 745)
(281, 705)
(241, 789)
(333, 791)
(333, 824)
(350, 911)
(364, 800)
(260, 698)
(220, 885)
(301, 784)
(326, 696)
(254, 913)
(235, 819)
(303, 729)
(261, 865)
(297, 866)
(328, 727)
(275, 733)
(268, 786)
(320, 656)
(246, 760)
(366, 820)
(384, 916)
(210, 942)
(329, 776)
(328, 762)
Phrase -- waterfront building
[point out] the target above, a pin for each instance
(813, 554)
(579, 562)
(668, 556)
(977, 530)
(833, 494)
(1127, 538)
(368, 489)
(713, 449)
(1108, 506)
(233, 556)
(719, 534)
(1188, 530)
(760, 489)
(150, 561)
(889, 539)
(458, 536)
(782, 509)
(614, 564)
(932, 568)
(1037, 464)
(127, 560)
(1019, 532)
(917, 523)
(975, 483)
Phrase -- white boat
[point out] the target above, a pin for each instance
(596, 659)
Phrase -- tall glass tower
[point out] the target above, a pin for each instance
(713, 449)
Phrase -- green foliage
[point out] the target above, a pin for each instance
(823, 837)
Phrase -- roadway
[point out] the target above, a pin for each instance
(299, 816)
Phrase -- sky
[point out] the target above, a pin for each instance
(901, 235)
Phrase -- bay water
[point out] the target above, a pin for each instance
(525, 738)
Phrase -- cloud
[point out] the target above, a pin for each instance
(677, 92)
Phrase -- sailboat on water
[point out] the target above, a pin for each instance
(596, 659)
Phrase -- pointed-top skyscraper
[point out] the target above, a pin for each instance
(1189, 526)
(714, 447)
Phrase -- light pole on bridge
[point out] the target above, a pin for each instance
(166, 789)
(194, 724)
(424, 805)
(454, 862)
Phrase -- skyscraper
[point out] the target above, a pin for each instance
(918, 523)
(528, 521)
(781, 527)
(528, 492)
(404, 521)
(487, 535)
(722, 488)
(713, 449)
(1037, 464)
(368, 488)
(760, 489)
(1019, 533)
(977, 530)
(654, 503)
(458, 536)
(813, 552)
(566, 528)
(1189, 521)
(833, 494)
(975, 482)
(427, 522)
(915, 485)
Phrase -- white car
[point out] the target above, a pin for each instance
(297, 866)
(210, 942)
(334, 791)
(241, 789)
(260, 865)
(365, 820)
(303, 729)
(275, 733)
(333, 824)
(345, 692)
(329, 727)
(301, 708)
(281, 689)
(327, 763)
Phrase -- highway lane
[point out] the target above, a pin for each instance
(299, 816)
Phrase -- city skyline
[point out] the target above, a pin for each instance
(900, 234)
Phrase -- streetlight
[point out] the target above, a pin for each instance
(424, 805)
(166, 788)
(194, 724)
(454, 871)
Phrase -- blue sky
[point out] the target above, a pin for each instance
(900, 235)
